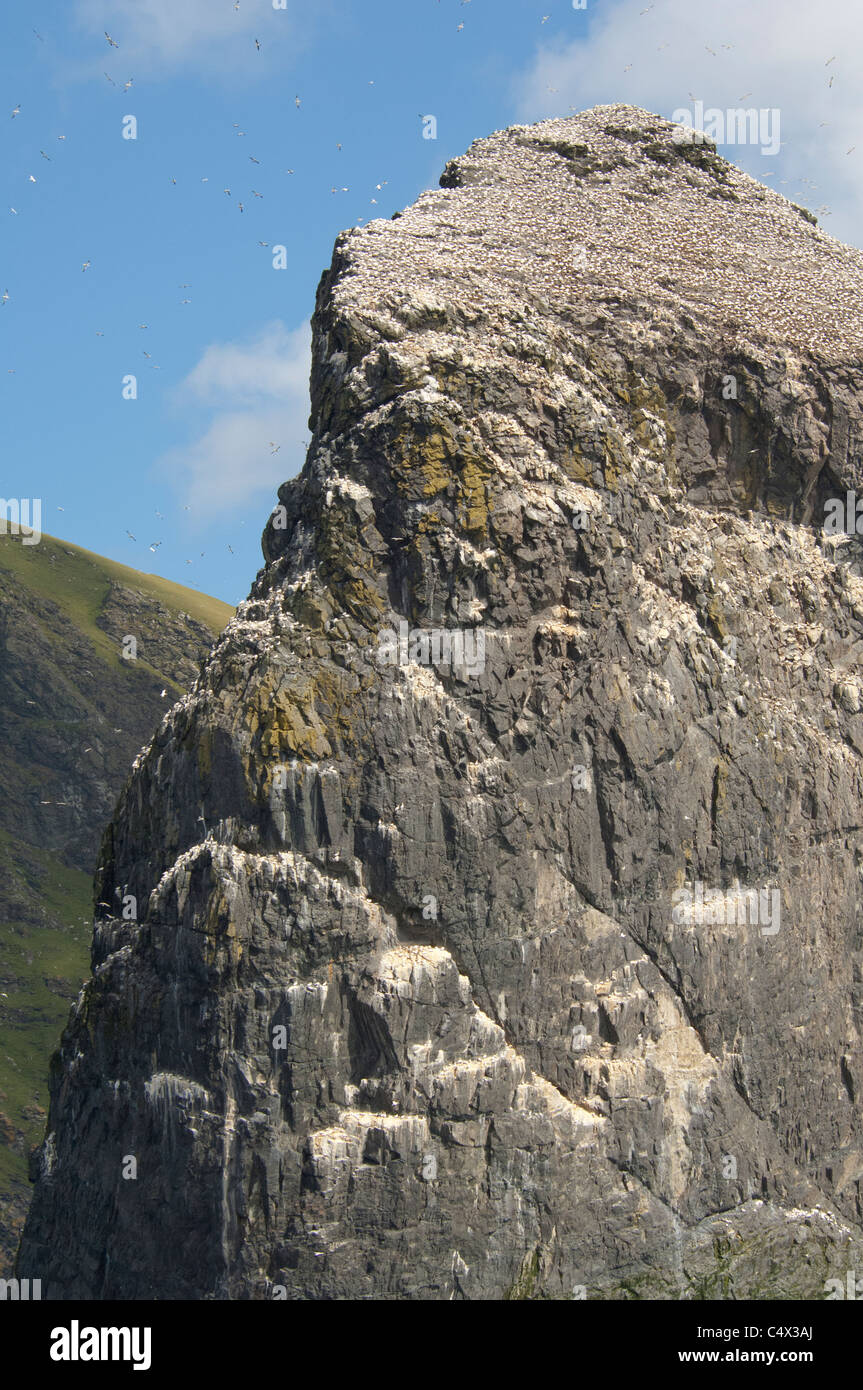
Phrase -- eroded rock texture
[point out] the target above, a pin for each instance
(589, 397)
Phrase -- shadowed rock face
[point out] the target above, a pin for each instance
(415, 1008)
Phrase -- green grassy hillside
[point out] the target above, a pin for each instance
(78, 581)
(73, 715)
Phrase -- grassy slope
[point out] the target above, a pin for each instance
(41, 970)
(44, 962)
(77, 580)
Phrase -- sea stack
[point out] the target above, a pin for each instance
(450, 977)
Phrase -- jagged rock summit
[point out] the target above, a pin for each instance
(534, 972)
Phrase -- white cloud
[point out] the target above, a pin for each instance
(275, 364)
(261, 394)
(764, 55)
(211, 34)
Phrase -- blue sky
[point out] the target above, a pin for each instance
(220, 417)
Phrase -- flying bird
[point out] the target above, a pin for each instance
(16, 112)
(254, 161)
(129, 534)
(85, 266)
(110, 40)
(296, 101)
(155, 545)
(258, 45)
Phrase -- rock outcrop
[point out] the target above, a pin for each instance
(416, 1006)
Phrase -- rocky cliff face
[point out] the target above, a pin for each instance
(417, 1005)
